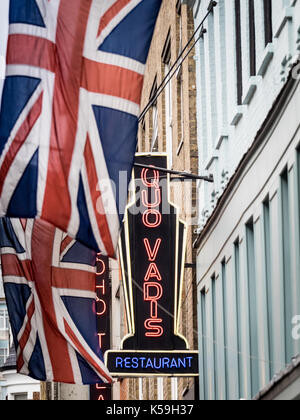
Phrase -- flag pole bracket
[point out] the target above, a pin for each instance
(182, 174)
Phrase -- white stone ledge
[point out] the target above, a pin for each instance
(251, 89)
(287, 15)
(238, 114)
(267, 58)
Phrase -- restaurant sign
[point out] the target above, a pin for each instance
(152, 252)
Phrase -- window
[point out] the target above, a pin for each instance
(154, 141)
(268, 21)
(180, 112)
(238, 309)
(251, 274)
(203, 337)
(252, 41)
(168, 115)
(212, 77)
(267, 252)
(179, 24)
(143, 135)
(4, 323)
(225, 325)
(20, 397)
(3, 355)
(287, 275)
(239, 65)
(154, 119)
(168, 101)
(216, 339)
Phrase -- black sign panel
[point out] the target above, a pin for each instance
(152, 249)
(127, 363)
(103, 309)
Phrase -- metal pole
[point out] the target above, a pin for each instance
(209, 178)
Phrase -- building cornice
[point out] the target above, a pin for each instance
(281, 381)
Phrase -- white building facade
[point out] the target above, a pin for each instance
(248, 261)
(16, 387)
(12, 385)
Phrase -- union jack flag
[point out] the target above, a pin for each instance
(69, 113)
(50, 288)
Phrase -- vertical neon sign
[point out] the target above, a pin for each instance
(152, 255)
(152, 251)
(103, 305)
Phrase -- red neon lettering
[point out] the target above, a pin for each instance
(155, 179)
(101, 398)
(151, 205)
(152, 253)
(156, 218)
(100, 339)
(101, 269)
(104, 306)
(152, 218)
(153, 272)
(156, 330)
(153, 298)
(98, 386)
(98, 257)
(101, 286)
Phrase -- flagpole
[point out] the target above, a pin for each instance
(209, 178)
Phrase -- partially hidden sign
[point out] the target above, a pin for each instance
(103, 313)
(152, 252)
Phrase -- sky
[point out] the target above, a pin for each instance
(3, 37)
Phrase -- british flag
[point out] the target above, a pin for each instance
(69, 113)
(50, 288)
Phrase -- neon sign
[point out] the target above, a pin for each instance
(152, 251)
(102, 308)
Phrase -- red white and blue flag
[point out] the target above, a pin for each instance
(50, 288)
(69, 113)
